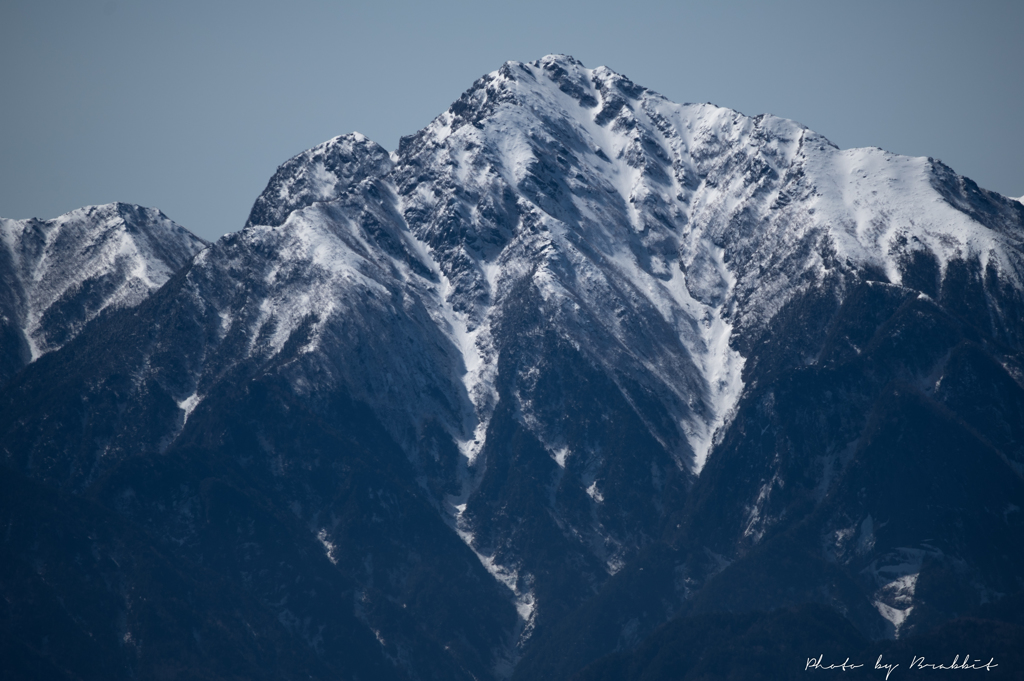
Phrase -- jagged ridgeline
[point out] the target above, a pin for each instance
(577, 382)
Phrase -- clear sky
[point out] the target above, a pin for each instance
(190, 106)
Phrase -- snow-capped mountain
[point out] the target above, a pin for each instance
(572, 361)
(59, 274)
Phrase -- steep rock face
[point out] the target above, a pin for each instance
(572, 361)
(59, 274)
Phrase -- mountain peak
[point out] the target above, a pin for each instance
(565, 60)
(319, 174)
(65, 271)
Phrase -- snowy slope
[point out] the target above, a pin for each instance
(63, 272)
(352, 286)
(609, 197)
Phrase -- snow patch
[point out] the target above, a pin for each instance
(329, 548)
(867, 536)
(895, 616)
(757, 524)
(523, 599)
(188, 405)
(895, 576)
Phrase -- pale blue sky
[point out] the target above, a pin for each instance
(190, 106)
